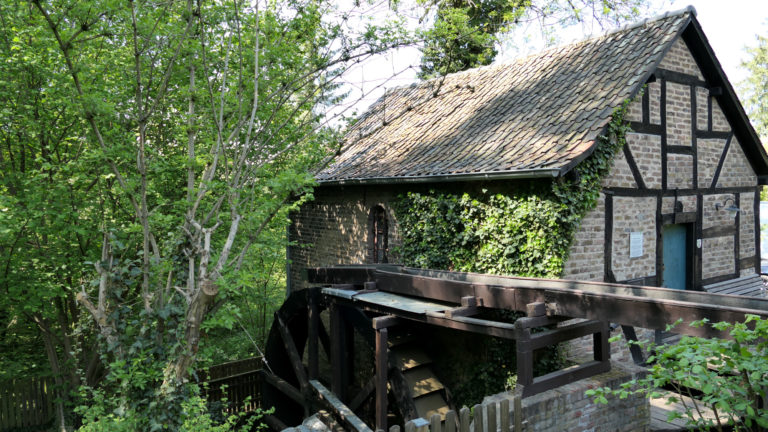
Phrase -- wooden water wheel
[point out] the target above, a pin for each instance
(312, 338)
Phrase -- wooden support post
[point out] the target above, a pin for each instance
(524, 357)
(601, 344)
(524, 349)
(382, 361)
(380, 325)
(338, 353)
(313, 335)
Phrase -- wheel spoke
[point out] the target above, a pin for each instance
(283, 385)
(293, 354)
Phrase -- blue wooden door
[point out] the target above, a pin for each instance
(675, 243)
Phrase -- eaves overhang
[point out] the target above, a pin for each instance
(443, 178)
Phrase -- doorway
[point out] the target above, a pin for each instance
(677, 256)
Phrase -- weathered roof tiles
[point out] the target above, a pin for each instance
(536, 116)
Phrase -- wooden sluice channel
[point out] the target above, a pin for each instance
(371, 300)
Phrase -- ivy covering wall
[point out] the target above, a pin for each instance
(527, 231)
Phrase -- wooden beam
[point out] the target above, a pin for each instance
(564, 376)
(680, 78)
(313, 335)
(382, 362)
(338, 351)
(646, 307)
(363, 394)
(285, 387)
(719, 231)
(468, 307)
(347, 416)
(293, 353)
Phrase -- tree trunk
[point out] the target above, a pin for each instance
(196, 312)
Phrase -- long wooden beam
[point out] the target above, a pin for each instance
(648, 307)
(327, 398)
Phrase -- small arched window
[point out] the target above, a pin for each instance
(377, 235)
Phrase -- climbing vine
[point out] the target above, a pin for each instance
(527, 231)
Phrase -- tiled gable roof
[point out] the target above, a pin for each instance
(536, 116)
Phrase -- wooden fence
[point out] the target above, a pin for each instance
(489, 417)
(26, 403)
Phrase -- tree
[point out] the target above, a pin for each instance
(755, 91)
(755, 87)
(204, 122)
(52, 193)
(465, 33)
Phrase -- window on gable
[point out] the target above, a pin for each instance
(377, 235)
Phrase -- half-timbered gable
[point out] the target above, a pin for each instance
(682, 195)
(681, 168)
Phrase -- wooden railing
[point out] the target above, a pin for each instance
(26, 403)
(236, 381)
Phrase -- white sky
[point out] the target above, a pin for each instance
(729, 25)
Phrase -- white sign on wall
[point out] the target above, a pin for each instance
(635, 244)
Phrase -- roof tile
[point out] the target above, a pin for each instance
(543, 111)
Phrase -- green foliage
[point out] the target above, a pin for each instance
(466, 33)
(498, 234)
(727, 376)
(148, 151)
(193, 415)
(527, 232)
(755, 87)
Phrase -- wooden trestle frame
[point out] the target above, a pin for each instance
(396, 295)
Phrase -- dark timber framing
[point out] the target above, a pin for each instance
(700, 191)
(545, 302)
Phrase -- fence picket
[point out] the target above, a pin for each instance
(435, 423)
(518, 404)
(394, 429)
(464, 422)
(504, 409)
(477, 410)
(491, 418)
(450, 421)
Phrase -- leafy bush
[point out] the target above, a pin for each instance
(194, 415)
(730, 377)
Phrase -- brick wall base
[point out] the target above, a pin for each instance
(567, 408)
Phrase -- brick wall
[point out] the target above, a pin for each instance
(333, 228)
(727, 243)
(567, 408)
(633, 214)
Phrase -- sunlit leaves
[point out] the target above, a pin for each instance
(729, 376)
